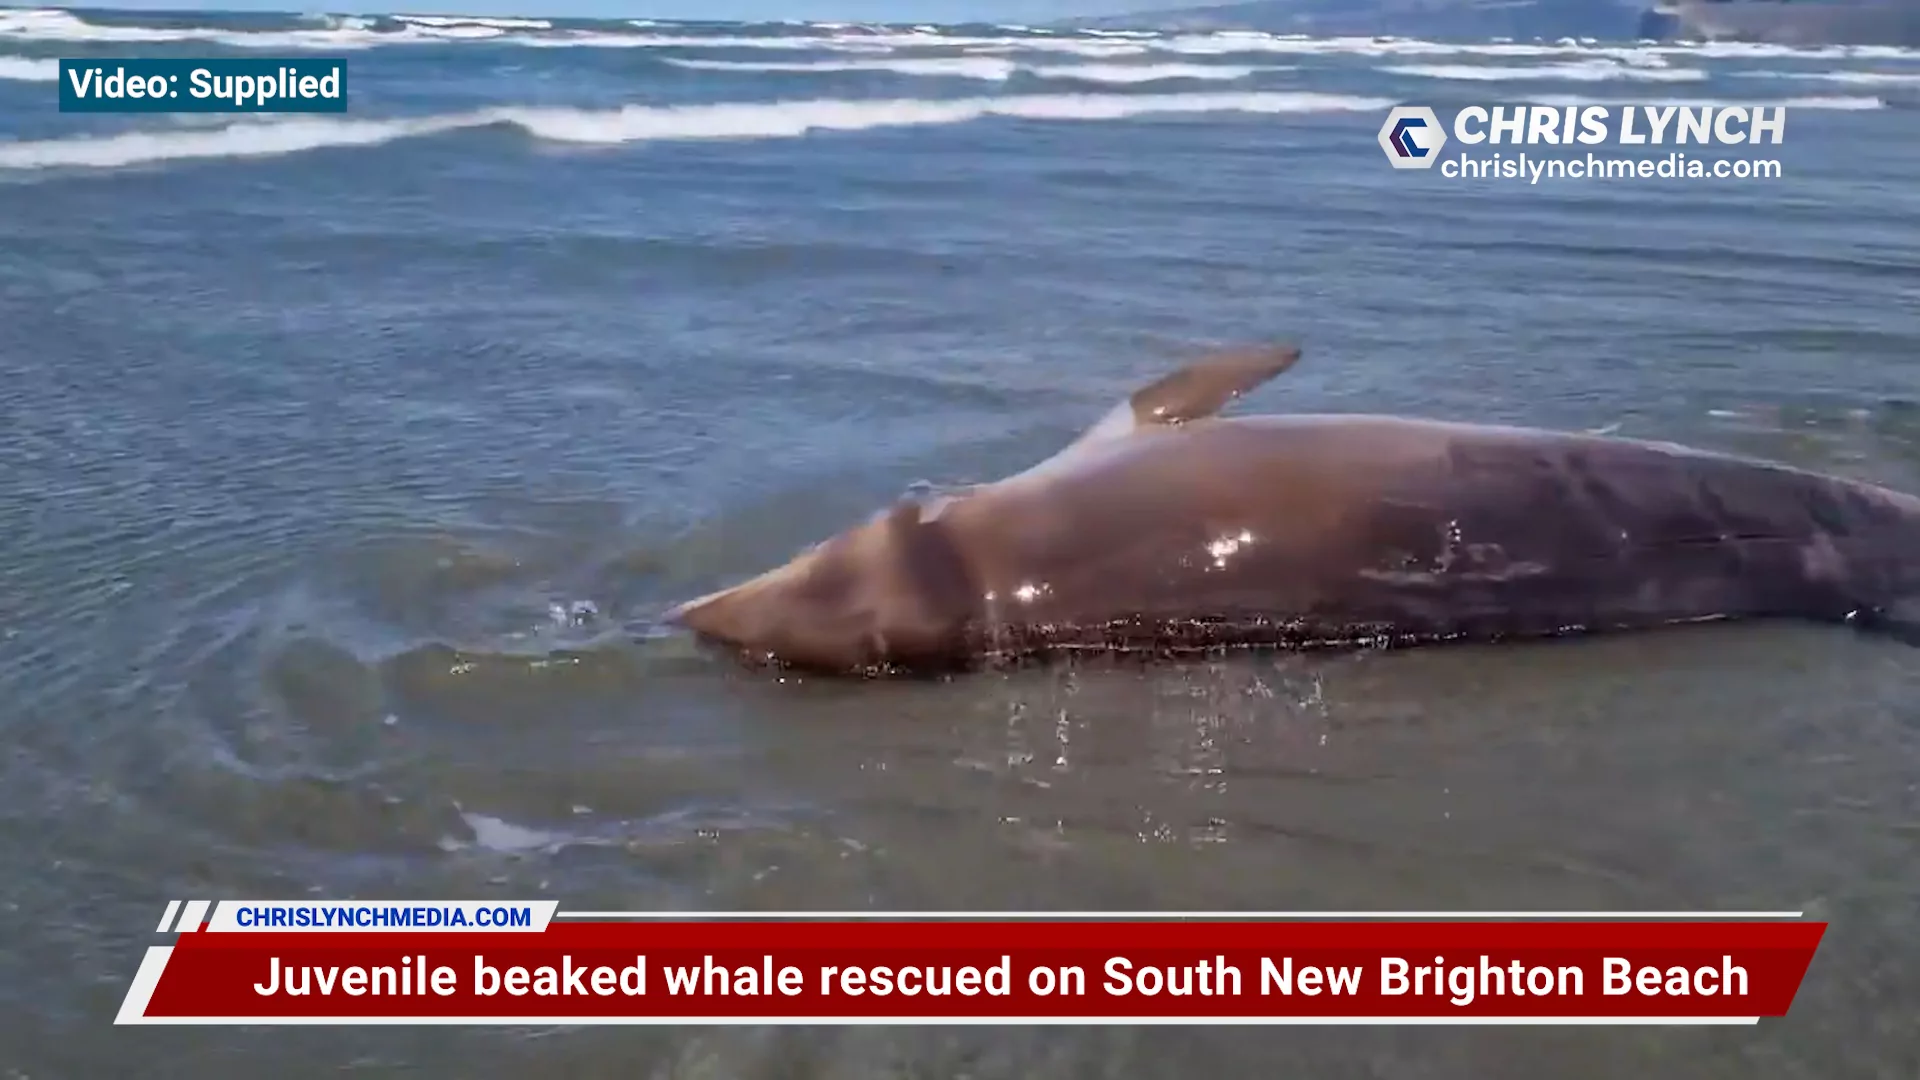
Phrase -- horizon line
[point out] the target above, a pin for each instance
(433, 11)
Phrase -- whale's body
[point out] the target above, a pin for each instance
(1168, 530)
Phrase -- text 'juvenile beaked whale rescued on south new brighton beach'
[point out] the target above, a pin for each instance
(1169, 530)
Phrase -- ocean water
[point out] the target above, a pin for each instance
(346, 464)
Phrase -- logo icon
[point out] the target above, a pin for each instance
(1412, 137)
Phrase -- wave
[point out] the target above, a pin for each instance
(1643, 54)
(1753, 50)
(340, 22)
(1082, 47)
(987, 68)
(1854, 78)
(1847, 104)
(1222, 44)
(1577, 71)
(643, 123)
(62, 26)
(1142, 73)
(590, 39)
(471, 20)
(357, 32)
(25, 69)
(959, 67)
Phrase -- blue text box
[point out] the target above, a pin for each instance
(305, 84)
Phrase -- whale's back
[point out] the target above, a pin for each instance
(1327, 527)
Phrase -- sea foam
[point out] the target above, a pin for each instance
(28, 69)
(1574, 71)
(644, 123)
(985, 68)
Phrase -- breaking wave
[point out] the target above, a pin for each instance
(24, 69)
(1143, 73)
(641, 123)
(359, 32)
(442, 21)
(344, 33)
(1850, 104)
(961, 67)
(989, 68)
(1739, 50)
(1576, 71)
(1852, 78)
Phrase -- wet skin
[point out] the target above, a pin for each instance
(1168, 531)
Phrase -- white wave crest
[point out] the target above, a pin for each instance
(1847, 104)
(788, 119)
(346, 32)
(986, 68)
(337, 22)
(1753, 50)
(641, 123)
(1082, 47)
(474, 20)
(1221, 44)
(66, 27)
(1853, 78)
(352, 33)
(856, 41)
(1145, 73)
(29, 69)
(1575, 71)
(343, 32)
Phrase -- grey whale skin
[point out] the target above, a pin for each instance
(1168, 530)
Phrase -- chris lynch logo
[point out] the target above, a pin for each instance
(1413, 136)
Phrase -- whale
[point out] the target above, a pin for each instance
(1169, 529)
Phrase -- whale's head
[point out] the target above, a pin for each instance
(899, 591)
(892, 592)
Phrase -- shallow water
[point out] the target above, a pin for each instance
(341, 489)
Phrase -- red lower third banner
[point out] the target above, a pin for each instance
(405, 968)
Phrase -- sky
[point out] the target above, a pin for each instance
(848, 10)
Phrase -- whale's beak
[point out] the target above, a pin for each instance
(767, 614)
(688, 613)
(716, 615)
(858, 599)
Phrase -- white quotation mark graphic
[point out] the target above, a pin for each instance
(1412, 137)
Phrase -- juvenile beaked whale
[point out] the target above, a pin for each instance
(1167, 529)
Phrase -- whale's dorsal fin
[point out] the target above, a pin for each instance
(1205, 386)
(1194, 392)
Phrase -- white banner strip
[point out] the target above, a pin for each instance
(194, 914)
(1163, 916)
(134, 1006)
(369, 916)
(950, 1021)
